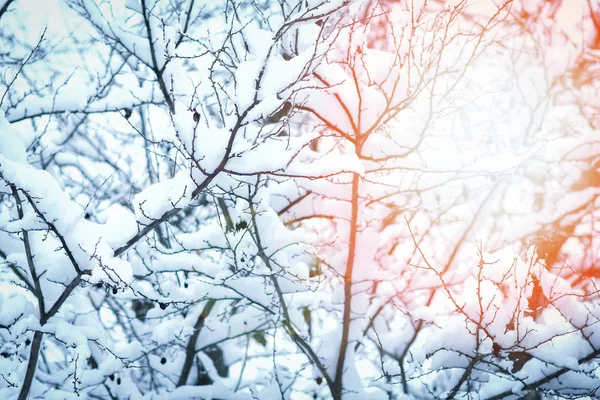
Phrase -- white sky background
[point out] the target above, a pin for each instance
(505, 121)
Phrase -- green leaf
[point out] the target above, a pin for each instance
(260, 338)
(241, 225)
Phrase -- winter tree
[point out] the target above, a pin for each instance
(299, 199)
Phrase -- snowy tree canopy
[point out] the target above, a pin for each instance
(299, 199)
